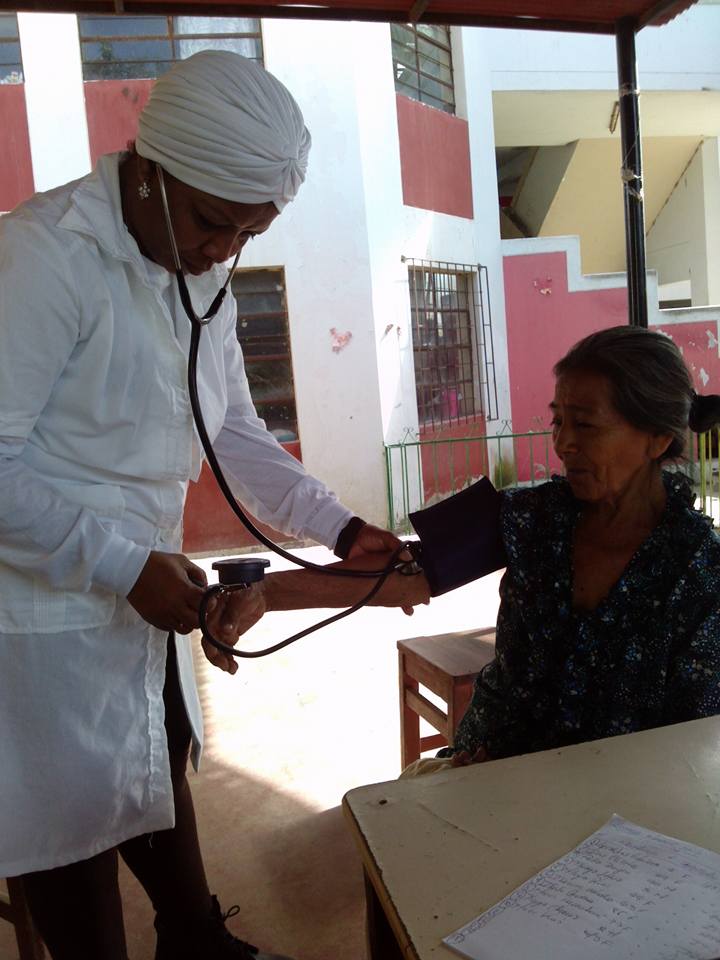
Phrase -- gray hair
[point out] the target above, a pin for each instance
(651, 385)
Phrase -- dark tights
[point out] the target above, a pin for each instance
(77, 908)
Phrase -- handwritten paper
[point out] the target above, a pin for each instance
(625, 893)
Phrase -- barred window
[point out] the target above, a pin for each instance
(264, 334)
(122, 47)
(11, 70)
(451, 333)
(422, 61)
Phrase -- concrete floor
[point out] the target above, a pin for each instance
(286, 737)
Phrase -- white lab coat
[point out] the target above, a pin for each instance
(96, 447)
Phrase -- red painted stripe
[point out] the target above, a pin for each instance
(113, 107)
(434, 159)
(16, 173)
(209, 523)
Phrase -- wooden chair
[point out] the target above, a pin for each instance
(14, 908)
(446, 664)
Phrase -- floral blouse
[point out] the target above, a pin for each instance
(647, 655)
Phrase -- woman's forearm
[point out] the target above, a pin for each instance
(302, 589)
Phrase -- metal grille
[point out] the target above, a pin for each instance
(145, 47)
(11, 70)
(264, 334)
(450, 332)
(422, 63)
(487, 345)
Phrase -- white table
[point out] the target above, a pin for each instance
(439, 850)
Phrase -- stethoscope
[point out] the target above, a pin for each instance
(240, 573)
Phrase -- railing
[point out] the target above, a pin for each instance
(705, 448)
(422, 472)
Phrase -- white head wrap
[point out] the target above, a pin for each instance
(223, 124)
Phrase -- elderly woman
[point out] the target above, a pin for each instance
(609, 618)
(98, 707)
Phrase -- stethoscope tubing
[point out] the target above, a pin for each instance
(219, 589)
(196, 326)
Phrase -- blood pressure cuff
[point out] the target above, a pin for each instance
(460, 537)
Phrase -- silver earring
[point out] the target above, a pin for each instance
(144, 190)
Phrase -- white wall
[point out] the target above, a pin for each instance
(54, 97)
(322, 240)
(683, 243)
(342, 242)
(475, 59)
(711, 176)
(680, 55)
(344, 239)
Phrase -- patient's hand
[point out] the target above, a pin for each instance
(464, 758)
(230, 615)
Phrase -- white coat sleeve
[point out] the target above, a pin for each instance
(273, 485)
(42, 532)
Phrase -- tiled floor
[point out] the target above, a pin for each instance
(286, 737)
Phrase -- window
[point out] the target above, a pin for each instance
(422, 61)
(11, 70)
(451, 329)
(263, 332)
(139, 47)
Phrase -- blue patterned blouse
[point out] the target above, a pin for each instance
(647, 655)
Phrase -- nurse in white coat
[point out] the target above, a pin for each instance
(98, 705)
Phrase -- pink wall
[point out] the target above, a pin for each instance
(544, 319)
(698, 343)
(451, 466)
(113, 107)
(434, 159)
(16, 174)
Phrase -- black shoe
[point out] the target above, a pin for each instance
(210, 940)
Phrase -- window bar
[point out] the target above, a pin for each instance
(433, 369)
(171, 36)
(479, 338)
(488, 345)
(448, 325)
(417, 62)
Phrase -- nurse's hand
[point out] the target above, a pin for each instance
(168, 592)
(229, 616)
(371, 540)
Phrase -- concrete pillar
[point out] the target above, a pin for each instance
(55, 98)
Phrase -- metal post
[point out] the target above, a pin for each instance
(632, 172)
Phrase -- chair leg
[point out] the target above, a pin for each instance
(409, 720)
(457, 705)
(29, 943)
